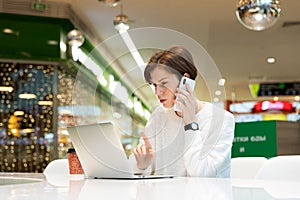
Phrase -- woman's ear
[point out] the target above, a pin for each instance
(187, 75)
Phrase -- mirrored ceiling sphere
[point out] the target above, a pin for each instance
(258, 15)
(75, 38)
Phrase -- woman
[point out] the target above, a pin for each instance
(194, 142)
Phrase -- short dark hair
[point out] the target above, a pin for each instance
(177, 60)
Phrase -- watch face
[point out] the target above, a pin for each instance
(194, 126)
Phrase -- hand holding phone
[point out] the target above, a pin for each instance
(184, 80)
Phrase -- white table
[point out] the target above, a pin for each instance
(175, 188)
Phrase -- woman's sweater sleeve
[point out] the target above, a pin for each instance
(208, 150)
(150, 132)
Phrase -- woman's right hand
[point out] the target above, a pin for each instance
(143, 153)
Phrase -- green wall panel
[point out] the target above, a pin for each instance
(30, 37)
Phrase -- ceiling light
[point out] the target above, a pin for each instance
(221, 82)
(218, 92)
(110, 3)
(117, 115)
(75, 38)
(52, 42)
(121, 22)
(130, 104)
(8, 31)
(258, 15)
(63, 46)
(271, 60)
(216, 99)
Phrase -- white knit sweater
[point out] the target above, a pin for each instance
(202, 153)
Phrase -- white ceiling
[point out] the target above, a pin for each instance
(239, 54)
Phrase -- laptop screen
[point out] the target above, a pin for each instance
(100, 151)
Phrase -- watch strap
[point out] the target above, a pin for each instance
(191, 126)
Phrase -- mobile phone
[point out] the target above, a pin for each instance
(184, 80)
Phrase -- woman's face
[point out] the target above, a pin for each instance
(165, 85)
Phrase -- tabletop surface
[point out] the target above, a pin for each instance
(14, 186)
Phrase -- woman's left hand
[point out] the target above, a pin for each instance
(188, 104)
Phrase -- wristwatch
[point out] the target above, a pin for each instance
(192, 126)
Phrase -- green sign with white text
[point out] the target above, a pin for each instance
(255, 139)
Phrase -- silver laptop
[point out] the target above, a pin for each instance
(101, 153)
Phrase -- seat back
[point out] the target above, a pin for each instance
(57, 173)
(246, 167)
(57, 167)
(285, 168)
